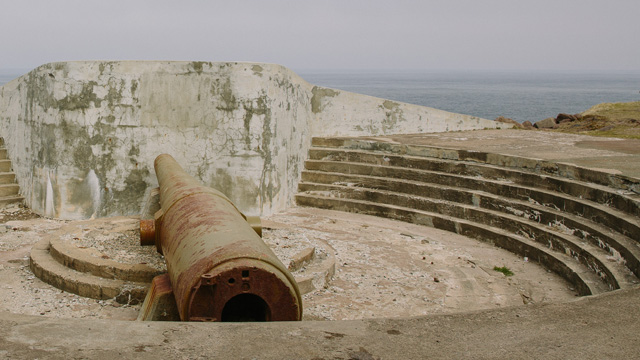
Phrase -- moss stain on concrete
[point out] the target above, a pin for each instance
(268, 189)
(78, 141)
(198, 66)
(393, 114)
(224, 91)
(134, 88)
(80, 101)
(257, 70)
(243, 192)
(319, 94)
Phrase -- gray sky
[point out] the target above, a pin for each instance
(343, 34)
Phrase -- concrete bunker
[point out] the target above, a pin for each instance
(262, 145)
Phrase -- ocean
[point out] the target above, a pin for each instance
(521, 96)
(518, 95)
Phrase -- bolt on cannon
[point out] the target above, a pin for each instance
(218, 267)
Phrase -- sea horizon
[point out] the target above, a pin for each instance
(523, 95)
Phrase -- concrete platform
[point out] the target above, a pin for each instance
(601, 327)
(618, 156)
(592, 327)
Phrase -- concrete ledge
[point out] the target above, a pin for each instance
(393, 144)
(597, 327)
(624, 223)
(518, 170)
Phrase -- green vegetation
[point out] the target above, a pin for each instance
(621, 120)
(616, 111)
(505, 270)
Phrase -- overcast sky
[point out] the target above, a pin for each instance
(342, 34)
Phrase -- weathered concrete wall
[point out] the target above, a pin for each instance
(83, 135)
(341, 113)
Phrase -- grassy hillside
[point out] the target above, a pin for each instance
(608, 119)
(616, 111)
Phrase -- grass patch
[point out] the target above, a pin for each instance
(616, 111)
(505, 270)
(620, 120)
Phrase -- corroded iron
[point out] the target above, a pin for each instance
(219, 267)
(147, 232)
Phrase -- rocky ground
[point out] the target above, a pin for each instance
(384, 268)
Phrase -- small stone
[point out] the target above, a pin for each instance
(548, 123)
(505, 120)
(528, 125)
(562, 117)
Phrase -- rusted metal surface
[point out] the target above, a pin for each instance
(220, 269)
(147, 232)
(159, 305)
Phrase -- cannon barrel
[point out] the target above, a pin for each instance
(218, 265)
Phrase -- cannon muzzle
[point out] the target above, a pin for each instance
(218, 265)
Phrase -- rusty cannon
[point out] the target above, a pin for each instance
(218, 267)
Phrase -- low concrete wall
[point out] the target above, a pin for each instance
(83, 135)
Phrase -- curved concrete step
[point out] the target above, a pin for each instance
(316, 273)
(616, 244)
(5, 165)
(7, 200)
(46, 268)
(589, 191)
(86, 264)
(624, 223)
(585, 281)
(564, 170)
(9, 190)
(7, 178)
(614, 274)
(82, 260)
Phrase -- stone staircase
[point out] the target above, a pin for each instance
(9, 189)
(85, 271)
(581, 224)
